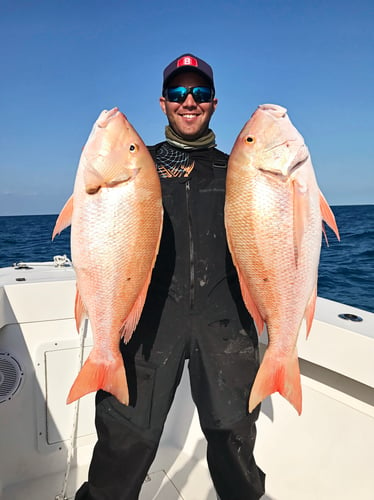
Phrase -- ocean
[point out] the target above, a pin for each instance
(346, 270)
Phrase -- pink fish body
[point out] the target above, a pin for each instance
(273, 216)
(116, 220)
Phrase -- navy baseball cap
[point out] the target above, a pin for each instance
(187, 62)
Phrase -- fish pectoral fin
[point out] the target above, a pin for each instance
(94, 375)
(328, 216)
(277, 375)
(310, 310)
(64, 219)
(79, 310)
(251, 306)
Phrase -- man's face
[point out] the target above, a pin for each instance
(189, 119)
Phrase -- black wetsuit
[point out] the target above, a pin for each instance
(193, 311)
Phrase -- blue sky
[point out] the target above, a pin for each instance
(62, 62)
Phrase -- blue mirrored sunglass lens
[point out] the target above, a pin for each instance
(179, 94)
(202, 94)
(176, 94)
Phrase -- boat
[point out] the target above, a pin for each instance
(326, 453)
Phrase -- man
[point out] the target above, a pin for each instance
(193, 311)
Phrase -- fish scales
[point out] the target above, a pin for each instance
(274, 225)
(116, 217)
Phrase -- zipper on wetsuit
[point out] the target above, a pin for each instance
(191, 246)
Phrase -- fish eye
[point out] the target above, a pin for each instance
(250, 139)
(133, 148)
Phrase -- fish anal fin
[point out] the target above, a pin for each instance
(327, 215)
(251, 306)
(95, 375)
(310, 310)
(277, 375)
(64, 219)
(79, 310)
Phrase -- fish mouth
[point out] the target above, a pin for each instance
(274, 110)
(106, 116)
(301, 157)
(298, 160)
(129, 175)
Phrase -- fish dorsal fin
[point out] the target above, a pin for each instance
(250, 304)
(64, 219)
(133, 317)
(328, 216)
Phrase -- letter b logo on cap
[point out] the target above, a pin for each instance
(187, 61)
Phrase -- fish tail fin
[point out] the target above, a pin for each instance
(96, 375)
(281, 376)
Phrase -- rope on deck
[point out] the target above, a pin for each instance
(73, 435)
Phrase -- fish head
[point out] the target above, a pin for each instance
(270, 143)
(113, 154)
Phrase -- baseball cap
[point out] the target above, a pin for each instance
(187, 62)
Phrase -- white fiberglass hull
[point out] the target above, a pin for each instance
(327, 453)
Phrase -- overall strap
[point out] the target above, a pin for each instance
(219, 162)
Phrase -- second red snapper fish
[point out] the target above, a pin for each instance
(116, 220)
(274, 214)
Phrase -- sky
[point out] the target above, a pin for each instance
(63, 61)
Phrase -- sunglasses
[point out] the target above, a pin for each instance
(179, 94)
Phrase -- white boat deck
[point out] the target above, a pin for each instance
(325, 454)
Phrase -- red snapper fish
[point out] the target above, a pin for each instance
(274, 214)
(116, 215)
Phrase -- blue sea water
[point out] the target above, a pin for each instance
(346, 271)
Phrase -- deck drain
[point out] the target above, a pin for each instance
(350, 317)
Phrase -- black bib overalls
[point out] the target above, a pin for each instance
(193, 311)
